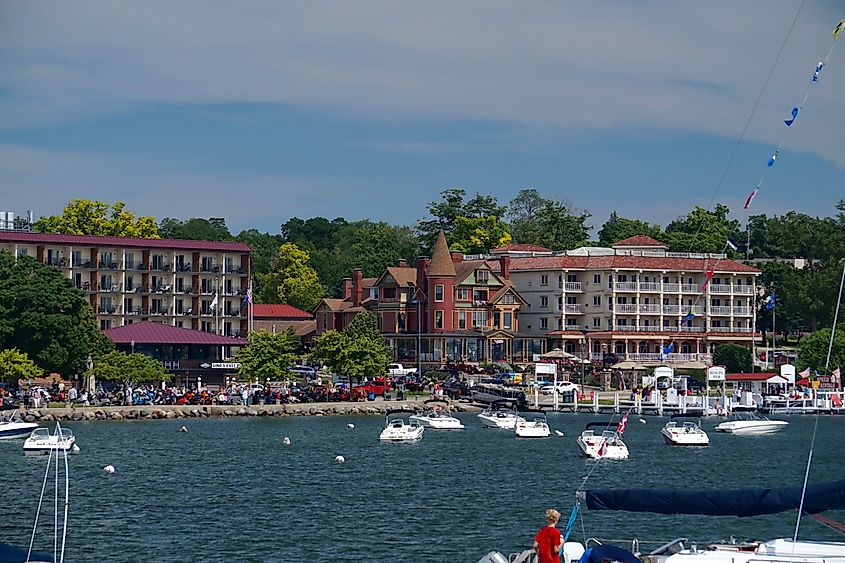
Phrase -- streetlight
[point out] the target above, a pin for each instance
(581, 344)
(418, 303)
(132, 345)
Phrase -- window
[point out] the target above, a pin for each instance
(463, 294)
(462, 320)
(479, 296)
(572, 278)
(438, 292)
(621, 277)
(596, 322)
(571, 321)
(105, 324)
(479, 319)
(507, 320)
(388, 293)
(508, 299)
(482, 276)
(374, 293)
(571, 300)
(544, 301)
(560, 324)
(400, 321)
(597, 300)
(544, 279)
(438, 319)
(596, 278)
(544, 323)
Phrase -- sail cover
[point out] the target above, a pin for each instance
(736, 502)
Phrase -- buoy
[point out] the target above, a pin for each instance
(339, 459)
(108, 469)
(558, 433)
(183, 429)
(350, 425)
(286, 441)
(642, 420)
(75, 449)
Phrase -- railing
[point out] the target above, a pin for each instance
(108, 265)
(161, 267)
(650, 309)
(625, 286)
(671, 287)
(720, 310)
(162, 289)
(159, 312)
(683, 328)
(572, 286)
(183, 267)
(626, 328)
(622, 308)
(670, 358)
(741, 329)
(107, 310)
(142, 266)
(720, 288)
(213, 268)
(572, 308)
(690, 288)
(744, 289)
(234, 270)
(744, 311)
(649, 286)
(671, 309)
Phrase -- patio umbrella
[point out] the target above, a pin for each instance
(558, 353)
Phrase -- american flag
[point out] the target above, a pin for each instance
(603, 449)
(248, 297)
(622, 425)
(835, 375)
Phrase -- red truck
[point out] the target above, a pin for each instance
(377, 388)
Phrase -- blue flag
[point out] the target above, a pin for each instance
(794, 115)
(669, 349)
(773, 158)
(819, 68)
(690, 316)
(770, 301)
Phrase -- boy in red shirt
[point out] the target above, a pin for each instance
(547, 541)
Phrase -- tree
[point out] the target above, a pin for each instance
(268, 355)
(291, 280)
(812, 350)
(137, 368)
(16, 365)
(196, 228)
(477, 235)
(446, 213)
(562, 227)
(701, 230)
(44, 316)
(617, 228)
(735, 357)
(87, 217)
(356, 352)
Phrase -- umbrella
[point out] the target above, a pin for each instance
(629, 364)
(557, 353)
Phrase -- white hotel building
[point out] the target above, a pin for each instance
(632, 299)
(169, 281)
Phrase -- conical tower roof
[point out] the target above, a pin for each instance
(441, 260)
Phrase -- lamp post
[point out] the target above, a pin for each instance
(132, 346)
(419, 336)
(581, 344)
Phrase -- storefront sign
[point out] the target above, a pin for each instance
(716, 373)
(788, 371)
(225, 365)
(545, 369)
(824, 382)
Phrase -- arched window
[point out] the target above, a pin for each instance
(685, 348)
(620, 348)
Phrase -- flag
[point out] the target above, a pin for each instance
(214, 302)
(690, 316)
(770, 301)
(750, 197)
(834, 377)
(603, 449)
(819, 68)
(805, 373)
(708, 276)
(622, 425)
(794, 116)
(669, 349)
(248, 297)
(732, 245)
(773, 158)
(838, 29)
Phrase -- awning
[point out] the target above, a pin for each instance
(629, 364)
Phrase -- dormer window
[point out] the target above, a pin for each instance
(482, 276)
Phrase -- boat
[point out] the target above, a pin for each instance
(532, 425)
(500, 414)
(12, 427)
(751, 424)
(682, 430)
(606, 445)
(400, 430)
(41, 442)
(487, 393)
(435, 414)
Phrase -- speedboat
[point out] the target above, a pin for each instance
(400, 430)
(607, 445)
(499, 414)
(13, 427)
(751, 424)
(535, 427)
(435, 414)
(682, 430)
(42, 442)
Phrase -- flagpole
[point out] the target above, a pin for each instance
(835, 320)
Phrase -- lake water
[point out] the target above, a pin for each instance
(228, 490)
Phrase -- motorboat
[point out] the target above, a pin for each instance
(435, 414)
(41, 442)
(400, 430)
(486, 393)
(607, 444)
(499, 414)
(751, 424)
(13, 427)
(682, 430)
(532, 424)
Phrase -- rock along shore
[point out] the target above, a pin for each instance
(155, 412)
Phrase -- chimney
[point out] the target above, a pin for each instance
(505, 266)
(422, 266)
(402, 264)
(457, 257)
(347, 288)
(357, 276)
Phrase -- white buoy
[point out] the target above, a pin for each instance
(286, 441)
(108, 469)
(350, 425)
(183, 429)
(339, 459)
(75, 449)
(642, 420)
(558, 433)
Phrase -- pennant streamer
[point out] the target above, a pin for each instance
(789, 122)
(819, 68)
(773, 158)
(750, 197)
(838, 29)
(732, 245)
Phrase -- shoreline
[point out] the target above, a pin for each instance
(158, 412)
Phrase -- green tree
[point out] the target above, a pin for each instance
(16, 365)
(44, 316)
(196, 228)
(137, 368)
(477, 235)
(268, 355)
(701, 230)
(735, 357)
(617, 228)
(562, 227)
(446, 212)
(522, 215)
(87, 217)
(812, 350)
(291, 280)
(358, 351)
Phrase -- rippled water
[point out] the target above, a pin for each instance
(228, 490)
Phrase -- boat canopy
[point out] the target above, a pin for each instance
(736, 502)
(427, 401)
(395, 411)
(606, 552)
(689, 417)
(12, 554)
(504, 403)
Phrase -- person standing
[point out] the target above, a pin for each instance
(547, 542)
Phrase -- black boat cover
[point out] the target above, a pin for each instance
(12, 554)
(605, 552)
(737, 502)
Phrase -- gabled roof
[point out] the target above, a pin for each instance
(464, 269)
(760, 376)
(147, 332)
(403, 276)
(279, 311)
(507, 288)
(335, 304)
(441, 260)
(91, 240)
(639, 240)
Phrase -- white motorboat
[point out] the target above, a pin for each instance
(435, 414)
(41, 442)
(532, 425)
(499, 414)
(606, 445)
(486, 393)
(682, 430)
(13, 427)
(751, 424)
(400, 430)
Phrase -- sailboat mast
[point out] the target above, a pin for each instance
(835, 320)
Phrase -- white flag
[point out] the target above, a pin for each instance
(214, 302)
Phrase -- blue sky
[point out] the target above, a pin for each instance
(262, 111)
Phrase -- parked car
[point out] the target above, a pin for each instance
(306, 372)
(692, 383)
(375, 387)
(399, 369)
(456, 390)
(562, 387)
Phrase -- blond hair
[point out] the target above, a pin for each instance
(552, 516)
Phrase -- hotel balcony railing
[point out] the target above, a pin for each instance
(650, 309)
(206, 313)
(136, 311)
(690, 288)
(107, 310)
(210, 268)
(720, 310)
(108, 265)
(649, 286)
(233, 313)
(743, 311)
(744, 289)
(141, 267)
(111, 288)
(162, 289)
(159, 312)
(87, 264)
(183, 267)
(187, 312)
(670, 358)
(572, 286)
(234, 270)
(671, 287)
(720, 288)
(571, 308)
(742, 329)
(161, 267)
(671, 309)
(683, 328)
(625, 309)
(625, 286)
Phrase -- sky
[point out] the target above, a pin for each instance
(262, 111)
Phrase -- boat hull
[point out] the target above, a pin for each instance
(493, 421)
(749, 428)
(593, 449)
(682, 438)
(525, 429)
(14, 431)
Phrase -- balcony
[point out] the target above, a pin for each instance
(625, 286)
(87, 264)
(671, 309)
(162, 289)
(742, 311)
(107, 310)
(720, 310)
(234, 270)
(625, 309)
(161, 267)
(159, 312)
(572, 309)
(670, 358)
(720, 288)
(572, 286)
(136, 311)
(649, 286)
(684, 328)
(744, 289)
(108, 265)
(650, 309)
(671, 287)
(741, 329)
(141, 267)
(183, 267)
(210, 269)
(690, 288)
